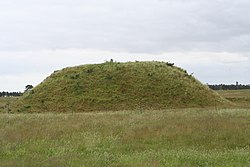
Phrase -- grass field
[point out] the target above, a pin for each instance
(186, 137)
(243, 93)
(240, 97)
(174, 137)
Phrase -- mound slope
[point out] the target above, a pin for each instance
(118, 86)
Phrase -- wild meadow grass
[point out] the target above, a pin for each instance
(6, 102)
(180, 137)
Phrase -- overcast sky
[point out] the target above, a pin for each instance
(210, 38)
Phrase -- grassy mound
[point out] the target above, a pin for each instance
(118, 86)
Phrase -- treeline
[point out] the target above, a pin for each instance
(15, 94)
(10, 94)
(228, 87)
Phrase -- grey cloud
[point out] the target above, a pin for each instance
(147, 26)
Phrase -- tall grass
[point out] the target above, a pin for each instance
(183, 137)
(6, 103)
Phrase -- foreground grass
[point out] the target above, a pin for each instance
(188, 137)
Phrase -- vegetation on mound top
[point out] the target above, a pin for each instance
(118, 86)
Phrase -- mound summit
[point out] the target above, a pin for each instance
(118, 86)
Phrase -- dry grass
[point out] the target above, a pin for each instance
(243, 93)
(175, 137)
(6, 102)
(187, 137)
(240, 97)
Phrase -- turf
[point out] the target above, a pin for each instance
(115, 86)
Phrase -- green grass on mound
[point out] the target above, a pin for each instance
(118, 86)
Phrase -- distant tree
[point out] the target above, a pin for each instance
(229, 87)
(10, 94)
(28, 87)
